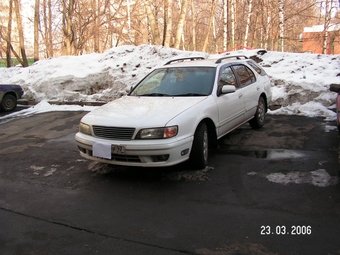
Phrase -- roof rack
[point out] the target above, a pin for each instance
(218, 61)
(182, 59)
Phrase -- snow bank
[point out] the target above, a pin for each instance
(300, 82)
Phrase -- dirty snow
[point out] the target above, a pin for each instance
(319, 178)
(300, 81)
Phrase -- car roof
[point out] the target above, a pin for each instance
(200, 61)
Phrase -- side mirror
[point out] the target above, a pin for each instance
(226, 89)
(335, 87)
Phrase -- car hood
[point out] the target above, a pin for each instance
(131, 111)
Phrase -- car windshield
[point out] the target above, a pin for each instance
(177, 81)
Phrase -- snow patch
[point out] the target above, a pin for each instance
(318, 178)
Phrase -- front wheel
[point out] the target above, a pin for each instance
(258, 120)
(199, 151)
(8, 103)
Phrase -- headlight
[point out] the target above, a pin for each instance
(157, 133)
(85, 129)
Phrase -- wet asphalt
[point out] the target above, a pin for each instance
(269, 191)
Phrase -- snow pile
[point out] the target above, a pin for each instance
(92, 77)
(300, 81)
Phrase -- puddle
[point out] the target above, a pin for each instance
(268, 154)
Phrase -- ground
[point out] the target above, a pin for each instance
(274, 190)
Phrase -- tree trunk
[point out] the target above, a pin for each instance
(36, 30)
(47, 20)
(225, 25)
(153, 24)
(49, 31)
(167, 22)
(68, 11)
(281, 25)
(328, 17)
(181, 22)
(233, 23)
(21, 33)
(9, 35)
(212, 14)
(193, 11)
(250, 12)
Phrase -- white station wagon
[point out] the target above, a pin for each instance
(176, 113)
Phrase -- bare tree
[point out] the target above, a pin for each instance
(24, 61)
(225, 24)
(153, 23)
(233, 22)
(212, 13)
(250, 12)
(281, 24)
(181, 22)
(36, 29)
(167, 23)
(9, 34)
(68, 8)
(73, 27)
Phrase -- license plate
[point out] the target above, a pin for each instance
(118, 149)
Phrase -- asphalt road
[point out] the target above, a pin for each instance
(270, 191)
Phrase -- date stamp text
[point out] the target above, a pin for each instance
(283, 230)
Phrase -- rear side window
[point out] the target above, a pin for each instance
(245, 75)
(257, 68)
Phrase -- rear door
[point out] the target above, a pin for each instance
(250, 89)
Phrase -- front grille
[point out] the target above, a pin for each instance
(113, 133)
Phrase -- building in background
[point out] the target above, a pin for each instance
(317, 39)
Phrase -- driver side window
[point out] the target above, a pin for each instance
(227, 78)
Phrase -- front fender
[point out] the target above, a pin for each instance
(188, 120)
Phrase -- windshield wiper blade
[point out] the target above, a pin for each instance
(190, 95)
(153, 95)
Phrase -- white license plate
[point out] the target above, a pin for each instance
(117, 149)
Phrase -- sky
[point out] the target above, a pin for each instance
(300, 81)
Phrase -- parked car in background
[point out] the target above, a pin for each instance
(9, 95)
(336, 88)
(177, 112)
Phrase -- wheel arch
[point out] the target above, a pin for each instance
(11, 93)
(265, 100)
(212, 135)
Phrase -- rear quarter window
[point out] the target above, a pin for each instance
(245, 75)
(257, 68)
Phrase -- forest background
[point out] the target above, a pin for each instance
(38, 29)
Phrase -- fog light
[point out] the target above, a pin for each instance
(160, 158)
(184, 152)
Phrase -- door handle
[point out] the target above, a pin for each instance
(258, 87)
(240, 95)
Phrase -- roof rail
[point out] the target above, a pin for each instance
(182, 59)
(218, 61)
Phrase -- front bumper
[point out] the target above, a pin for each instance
(141, 153)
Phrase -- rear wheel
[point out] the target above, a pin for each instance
(260, 114)
(8, 103)
(199, 151)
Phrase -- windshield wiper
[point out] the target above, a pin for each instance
(190, 95)
(154, 95)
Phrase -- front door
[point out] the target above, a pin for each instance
(231, 105)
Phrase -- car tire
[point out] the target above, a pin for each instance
(260, 115)
(200, 147)
(8, 103)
